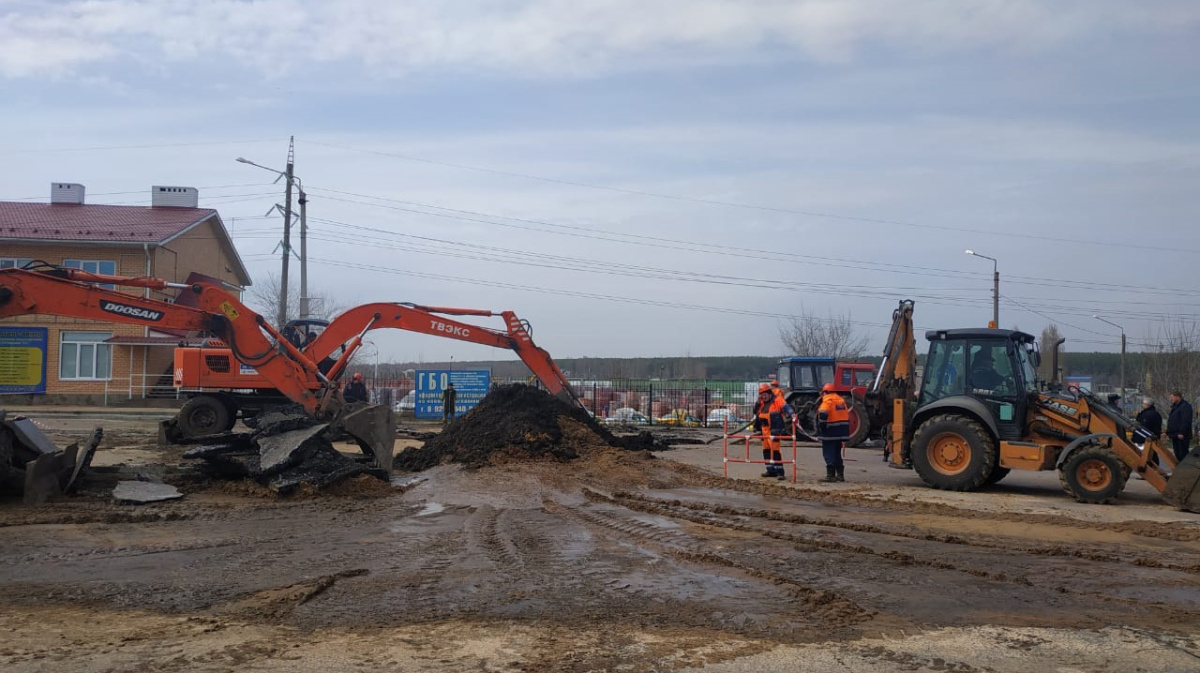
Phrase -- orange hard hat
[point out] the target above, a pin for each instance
(763, 387)
(827, 388)
(775, 384)
(357, 376)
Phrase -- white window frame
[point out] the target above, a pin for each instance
(13, 262)
(77, 350)
(82, 265)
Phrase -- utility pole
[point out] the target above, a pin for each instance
(1122, 356)
(287, 232)
(995, 287)
(303, 253)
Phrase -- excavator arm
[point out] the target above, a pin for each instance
(77, 294)
(894, 386)
(348, 327)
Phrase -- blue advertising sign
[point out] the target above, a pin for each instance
(471, 386)
(23, 360)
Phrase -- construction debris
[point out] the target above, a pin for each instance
(31, 463)
(518, 422)
(142, 492)
(286, 452)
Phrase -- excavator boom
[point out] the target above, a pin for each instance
(346, 330)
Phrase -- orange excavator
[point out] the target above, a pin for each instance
(251, 341)
(228, 388)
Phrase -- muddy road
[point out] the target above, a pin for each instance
(615, 561)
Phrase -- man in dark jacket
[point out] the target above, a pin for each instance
(449, 397)
(1179, 424)
(356, 390)
(1149, 422)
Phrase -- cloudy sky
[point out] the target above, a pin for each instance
(659, 177)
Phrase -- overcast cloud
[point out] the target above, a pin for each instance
(836, 156)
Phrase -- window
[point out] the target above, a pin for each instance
(847, 379)
(991, 369)
(863, 377)
(945, 371)
(13, 262)
(784, 377)
(85, 356)
(104, 267)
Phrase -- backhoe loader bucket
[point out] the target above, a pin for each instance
(1183, 488)
(374, 428)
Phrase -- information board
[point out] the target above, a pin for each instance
(471, 385)
(23, 360)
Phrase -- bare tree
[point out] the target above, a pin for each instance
(832, 336)
(1173, 360)
(264, 298)
(1050, 336)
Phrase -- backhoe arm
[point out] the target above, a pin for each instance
(74, 294)
(433, 320)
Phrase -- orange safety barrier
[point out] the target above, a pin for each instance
(757, 436)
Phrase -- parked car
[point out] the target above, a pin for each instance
(627, 416)
(680, 418)
(717, 417)
(406, 403)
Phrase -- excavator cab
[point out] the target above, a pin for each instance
(304, 331)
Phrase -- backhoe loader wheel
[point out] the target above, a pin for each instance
(204, 415)
(1093, 475)
(860, 423)
(953, 453)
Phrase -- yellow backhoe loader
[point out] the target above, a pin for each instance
(981, 412)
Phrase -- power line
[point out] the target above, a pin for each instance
(100, 148)
(594, 233)
(759, 207)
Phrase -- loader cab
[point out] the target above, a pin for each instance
(994, 368)
(806, 374)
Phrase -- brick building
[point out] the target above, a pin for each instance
(94, 361)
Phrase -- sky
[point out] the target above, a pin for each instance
(651, 178)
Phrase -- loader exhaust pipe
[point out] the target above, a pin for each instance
(1055, 372)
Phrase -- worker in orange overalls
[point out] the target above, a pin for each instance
(768, 420)
(833, 428)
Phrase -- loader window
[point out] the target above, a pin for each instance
(991, 369)
(944, 371)
(1028, 371)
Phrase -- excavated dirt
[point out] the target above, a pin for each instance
(519, 422)
(615, 560)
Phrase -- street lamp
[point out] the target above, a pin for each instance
(995, 287)
(290, 176)
(1109, 322)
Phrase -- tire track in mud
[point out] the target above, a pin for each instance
(900, 531)
(710, 515)
(826, 606)
(1151, 529)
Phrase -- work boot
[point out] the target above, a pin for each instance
(840, 473)
(769, 473)
(781, 475)
(830, 475)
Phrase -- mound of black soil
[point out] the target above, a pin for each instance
(518, 421)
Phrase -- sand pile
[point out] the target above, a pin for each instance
(519, 422)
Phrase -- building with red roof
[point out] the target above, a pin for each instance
(96, 361)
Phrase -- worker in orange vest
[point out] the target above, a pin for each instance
(768, 420)
(833, 428)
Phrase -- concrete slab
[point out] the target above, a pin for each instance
(141, 492)
(278, 452)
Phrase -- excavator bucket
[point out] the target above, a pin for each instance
(374, 428)
(1183, 488)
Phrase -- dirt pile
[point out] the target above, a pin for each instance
(519, 422)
